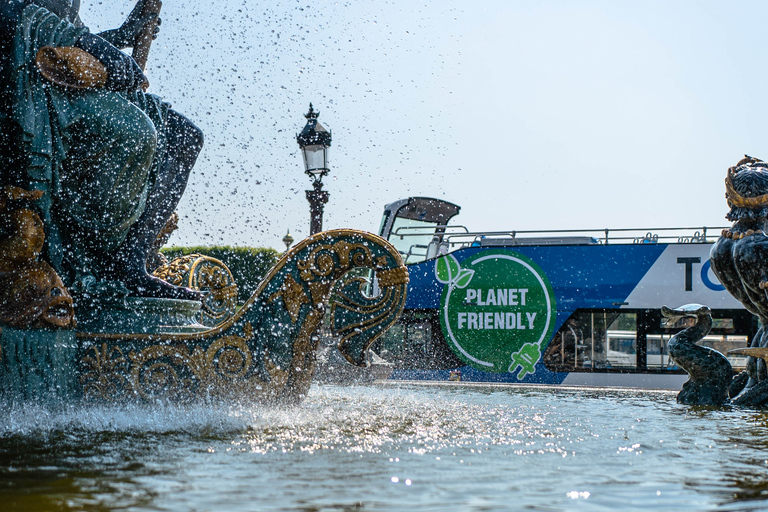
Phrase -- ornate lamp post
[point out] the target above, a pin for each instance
(314, 141)
(288, 240)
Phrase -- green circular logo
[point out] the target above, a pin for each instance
(498, 309)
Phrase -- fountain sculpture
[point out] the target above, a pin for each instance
(91, 170)
(738, 260)
(709, 372)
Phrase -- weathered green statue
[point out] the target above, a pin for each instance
(91, 169)
(112, 162)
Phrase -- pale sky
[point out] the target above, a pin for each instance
(530, 115)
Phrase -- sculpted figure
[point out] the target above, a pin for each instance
(156, 258)
(740, 261)
(110, 161)
(710, 375)
(31, 292)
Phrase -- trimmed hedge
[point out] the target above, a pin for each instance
(247, 264)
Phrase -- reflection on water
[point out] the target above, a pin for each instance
(410, 448)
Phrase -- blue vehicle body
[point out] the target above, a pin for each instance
(596, 297)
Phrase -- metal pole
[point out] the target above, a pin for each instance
(317, 199)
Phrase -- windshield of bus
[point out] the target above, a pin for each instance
(412, 238)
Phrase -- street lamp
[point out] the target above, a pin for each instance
(288, 240)
(314, 141)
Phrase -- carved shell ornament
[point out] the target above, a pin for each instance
(72, 67)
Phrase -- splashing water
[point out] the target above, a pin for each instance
(387, 448)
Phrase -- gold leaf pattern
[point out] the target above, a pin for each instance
(293, 296)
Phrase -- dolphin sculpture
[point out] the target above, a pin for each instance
(709, 372)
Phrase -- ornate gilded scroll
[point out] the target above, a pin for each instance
(266, 350)
(204, 274)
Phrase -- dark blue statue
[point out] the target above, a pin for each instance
(739, 261)
(709, 372)
(112, 161)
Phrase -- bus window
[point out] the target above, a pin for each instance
(724, 343)
(658, 352)
(561, 352)
(408, 344)
(420, 337)
(594, 340)
(722, 338)
(620, 338)
(389, 345)
(411, 238)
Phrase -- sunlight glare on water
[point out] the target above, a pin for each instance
(390, 448)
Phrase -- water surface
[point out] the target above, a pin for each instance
(390, 448)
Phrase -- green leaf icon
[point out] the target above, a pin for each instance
(447, 268)
(465, 276)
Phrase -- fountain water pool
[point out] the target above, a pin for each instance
(390, 448)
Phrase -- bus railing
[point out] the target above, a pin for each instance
(458, 235)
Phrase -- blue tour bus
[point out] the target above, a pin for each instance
(577, 307)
